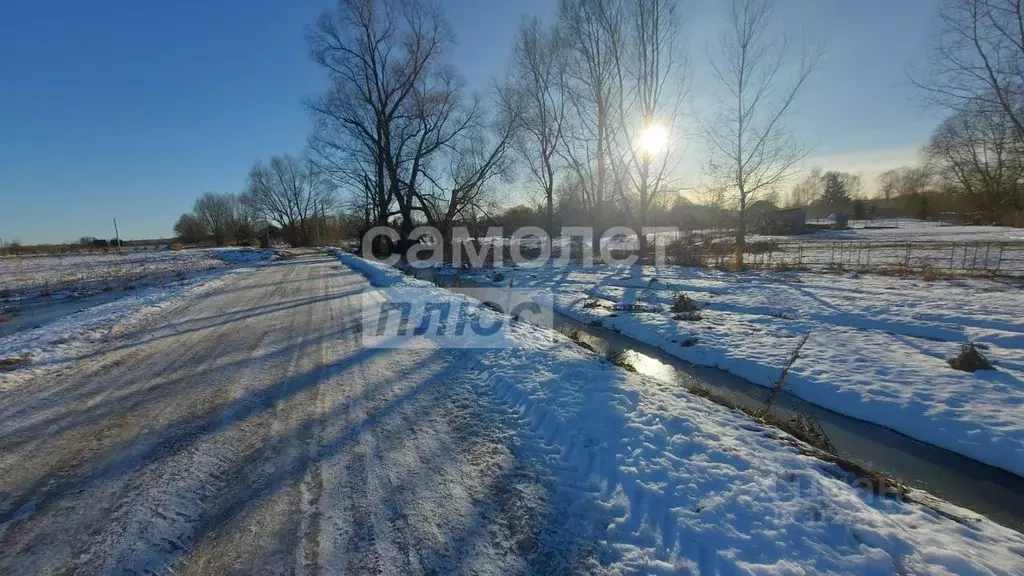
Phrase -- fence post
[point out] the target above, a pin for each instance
(952, 254)
(800, 255)
(868, 265)
(999, 262)
(906, 259)
(988, 248)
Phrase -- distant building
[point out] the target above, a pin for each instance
(776, 222)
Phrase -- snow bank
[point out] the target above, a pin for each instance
(379, 274)
(877, 348)
(671, 483)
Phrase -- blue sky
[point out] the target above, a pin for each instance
(131, 109)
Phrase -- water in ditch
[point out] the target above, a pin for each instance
(992, 492)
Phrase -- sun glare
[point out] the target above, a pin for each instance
(653, 139)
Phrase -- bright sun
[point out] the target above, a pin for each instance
(653, 139)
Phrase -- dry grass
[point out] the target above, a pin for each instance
(12, 362)
(620, 358)
(683, 303)
(969, 360)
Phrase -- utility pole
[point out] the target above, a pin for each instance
(117, 235)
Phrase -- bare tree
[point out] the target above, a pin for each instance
(651, 85)
(751, 148)
(217, 212)
(384, 60)
(246, 218)
(904, 181)
(291, 192)
(592, 31)
(807, 189)
(978, 60)
(190, 229)
(980, 154)
(476, 155)
(540, 79)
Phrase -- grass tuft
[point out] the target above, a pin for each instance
(620, 358)
(683, 303)
(13, 362)
(969, 360)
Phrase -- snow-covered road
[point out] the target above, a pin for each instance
(249, 431)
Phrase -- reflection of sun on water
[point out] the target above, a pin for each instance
(648, 366)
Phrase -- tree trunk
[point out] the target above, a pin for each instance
(741, 234)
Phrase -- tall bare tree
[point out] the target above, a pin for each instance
(385, 62)
(292, 192)
(592, 32)
(457, 186)
(540, 79)
(978, 60)
(980, 154)
(217, 212)
(751, 148)
(904, 181)
(651, 84)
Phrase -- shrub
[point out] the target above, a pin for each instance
(969, 360)
(683, 253)
(591, 304)
(762, 247)
(683, 303)
(176, 246)
(688, 317)
(929, 274)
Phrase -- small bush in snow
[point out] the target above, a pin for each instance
(969, 360)
(683, 303)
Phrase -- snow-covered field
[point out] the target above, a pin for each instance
(671, 483)
(93, 272)
(86, 305)
(877, 348)
(910, 230)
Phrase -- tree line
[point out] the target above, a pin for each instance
(286, 199)
(589, 123)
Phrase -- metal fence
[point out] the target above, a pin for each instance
(972, 258)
